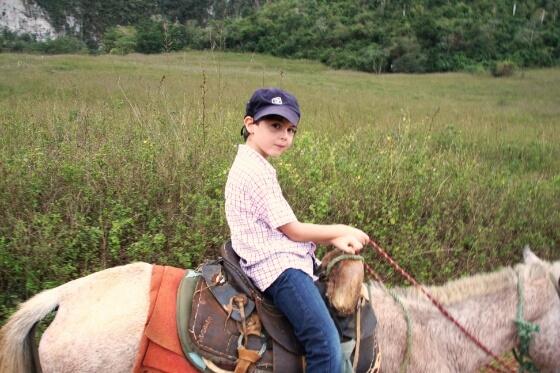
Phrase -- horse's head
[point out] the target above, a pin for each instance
(544, 345)
(553, 268)
(345, 276)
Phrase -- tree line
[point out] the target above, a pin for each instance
(379, 36)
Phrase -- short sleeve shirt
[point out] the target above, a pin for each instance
(255, 209)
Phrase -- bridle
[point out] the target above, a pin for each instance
(525, 332)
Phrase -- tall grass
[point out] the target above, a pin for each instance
(107, 160)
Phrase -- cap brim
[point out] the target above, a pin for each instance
(283, 111)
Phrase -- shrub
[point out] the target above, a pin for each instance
(503, 68)
(91, 179)
(120, 40)
(410, 63)
(150, 37)
(63, 45)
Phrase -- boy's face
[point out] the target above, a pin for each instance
(270, 136)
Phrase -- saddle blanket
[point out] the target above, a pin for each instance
(160, 349)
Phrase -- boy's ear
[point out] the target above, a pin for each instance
(249, 124)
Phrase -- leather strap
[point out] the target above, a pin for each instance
(246, 358)
(224, 292)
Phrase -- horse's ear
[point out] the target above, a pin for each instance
(555, 273)
(529, 257)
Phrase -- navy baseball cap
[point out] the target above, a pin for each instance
(273, 101)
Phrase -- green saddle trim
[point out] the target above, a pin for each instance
(185, 296)
(347, 350)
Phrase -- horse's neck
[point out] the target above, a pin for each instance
(485, 305)
(488, 318)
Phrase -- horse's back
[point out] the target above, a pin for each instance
(99, 322)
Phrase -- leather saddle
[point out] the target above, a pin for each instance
(234, 326)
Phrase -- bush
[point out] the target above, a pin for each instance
(92, 179)
(503, 68)
(195, 37)
(120, 40)
(63, 45)
(410, 63)
(12, 42)
(150, 37)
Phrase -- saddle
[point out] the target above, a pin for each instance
(233, 326)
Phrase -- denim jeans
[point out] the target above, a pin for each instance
(295, 294)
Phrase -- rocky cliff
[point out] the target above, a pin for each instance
(26, 17)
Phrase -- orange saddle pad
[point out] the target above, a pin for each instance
(160, 348)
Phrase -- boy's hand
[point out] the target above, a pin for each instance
(349, 243)
(358, 234)
(352, 241)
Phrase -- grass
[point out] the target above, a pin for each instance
(111, 159)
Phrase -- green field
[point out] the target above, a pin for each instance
(108, 160)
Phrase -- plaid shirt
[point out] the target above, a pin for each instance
(255, 208)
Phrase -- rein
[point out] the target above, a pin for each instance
(437, 304)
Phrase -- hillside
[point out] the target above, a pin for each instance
(382, 36)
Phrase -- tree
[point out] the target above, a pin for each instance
(120, 39)
(378, 57)
(150, 38)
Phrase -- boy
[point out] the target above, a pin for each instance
(276, 250)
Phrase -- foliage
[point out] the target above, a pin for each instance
(63, 45)
(195, 37)
(107, 160)
(503, 68)
(11, 42)
(417, 37)
(120, 40)
(150, 37)
(386, 36)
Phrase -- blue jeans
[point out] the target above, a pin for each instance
(295, 294)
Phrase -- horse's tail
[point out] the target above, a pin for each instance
(17, 337)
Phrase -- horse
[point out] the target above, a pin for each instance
(101, 317)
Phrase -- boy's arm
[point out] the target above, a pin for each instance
(344, 237)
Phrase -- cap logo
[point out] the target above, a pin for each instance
(277, 100)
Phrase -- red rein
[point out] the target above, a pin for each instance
(435, 302)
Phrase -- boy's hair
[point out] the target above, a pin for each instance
(246, 133)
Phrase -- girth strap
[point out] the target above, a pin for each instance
(246, 358)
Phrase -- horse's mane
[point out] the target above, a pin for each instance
(478, 285)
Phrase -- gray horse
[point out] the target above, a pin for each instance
(100, 320)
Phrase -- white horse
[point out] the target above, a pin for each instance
(100, 320)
